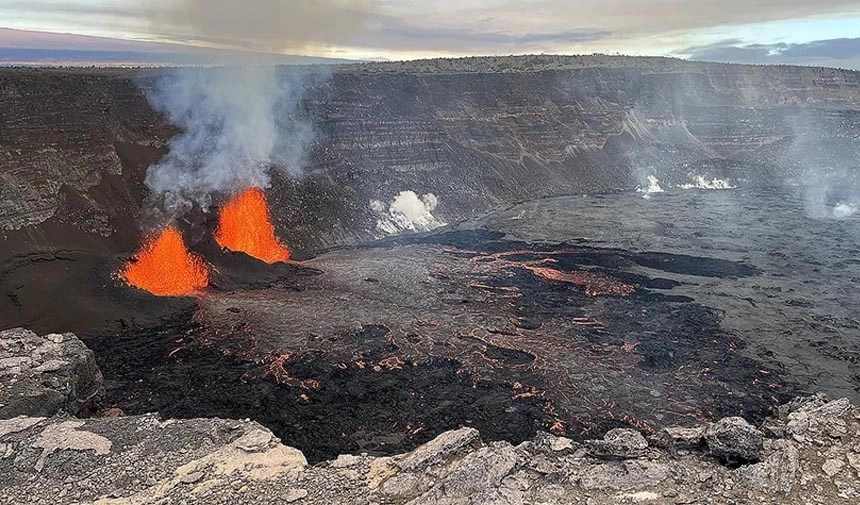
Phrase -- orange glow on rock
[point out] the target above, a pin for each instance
(165, 267)
(245, 225)
(594, 284)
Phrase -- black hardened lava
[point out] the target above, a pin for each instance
(641, 358)
(354, 410)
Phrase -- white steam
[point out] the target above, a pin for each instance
(236, 122)
(653, 187)
(823, 158)
(406, 212)
(700, 182)
(843, 210)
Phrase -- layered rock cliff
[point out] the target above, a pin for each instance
(75, 144)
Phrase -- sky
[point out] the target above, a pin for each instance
(821, 32)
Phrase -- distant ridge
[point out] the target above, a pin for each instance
(553, 62)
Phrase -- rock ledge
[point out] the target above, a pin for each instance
(808, 453)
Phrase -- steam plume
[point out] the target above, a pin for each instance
(238, 122)
(825, 164)
(653, 187)
(407, 212)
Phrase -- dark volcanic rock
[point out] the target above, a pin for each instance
(675, 438)
(145, 460)
(47, 375)
(619, 443)
(436, 343)
(734, 439)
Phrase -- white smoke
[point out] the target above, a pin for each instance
(653, 187)
(842, 210)
(700, 182)
(239, 121)
(406, 212)
(823, 160)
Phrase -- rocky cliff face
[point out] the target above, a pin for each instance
(45, 375)
(74, 145)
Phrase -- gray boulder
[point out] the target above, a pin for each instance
(475, 479)
(816, 416)
(619, 443)
(624, 475)
(41, 376)
(439, 449)
(777, 473)
(675, 439)
(735, 440)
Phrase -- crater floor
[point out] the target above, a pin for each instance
(380, 348)
(573, 315)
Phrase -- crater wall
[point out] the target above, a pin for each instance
(476, 132)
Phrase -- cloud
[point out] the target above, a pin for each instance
(627, 17)
(843, 52)
(29, 47)
(259, 25)
(265, 25)
(415, 27)
(27, 39)
(385, 32)
(72, 8)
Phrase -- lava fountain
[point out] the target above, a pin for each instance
(245, 225)
(165, 267)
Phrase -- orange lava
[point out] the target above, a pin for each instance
(594, 284)
(244, 225)
(165, 267)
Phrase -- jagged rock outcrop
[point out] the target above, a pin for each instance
(734, 439)
(619, 443)
(806, 454)
(146, 460)
(41, 376)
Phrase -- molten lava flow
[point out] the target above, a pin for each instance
(594, 284)
(244, 225)
(165, 267)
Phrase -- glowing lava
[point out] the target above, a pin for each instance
(594, 284)
(244, 225)
(165, 267)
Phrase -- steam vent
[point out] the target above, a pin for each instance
(485, 280)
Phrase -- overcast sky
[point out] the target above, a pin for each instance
(825, 32)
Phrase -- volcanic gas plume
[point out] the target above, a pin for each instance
(245, 225)
(165, 267)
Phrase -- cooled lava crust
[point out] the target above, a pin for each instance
(379, 348)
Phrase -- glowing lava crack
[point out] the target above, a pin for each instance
(165, 267)
(244, 225)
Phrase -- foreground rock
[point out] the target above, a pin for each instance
(810, 454)
(734, 440)
(42, 376)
